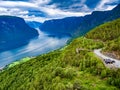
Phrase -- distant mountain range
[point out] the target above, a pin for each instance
(77, 26)
(33, 24)
(14, 32)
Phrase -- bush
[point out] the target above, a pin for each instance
(103, 73)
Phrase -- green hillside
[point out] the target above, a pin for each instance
(74, 67)
(106, 32)
(109, 33)
(113, 47)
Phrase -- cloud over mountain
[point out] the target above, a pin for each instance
(47, 9)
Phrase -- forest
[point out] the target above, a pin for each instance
(66, 69)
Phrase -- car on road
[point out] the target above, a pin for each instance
(109, 61)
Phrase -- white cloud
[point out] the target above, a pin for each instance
(21, 9)
(57, 12)
(10, 4)
(40, 2)
(102, 5)
(34, 18)
(13, 11)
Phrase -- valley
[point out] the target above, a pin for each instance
(72, 53)
(12, 46)
(36, 46)
(65, 69)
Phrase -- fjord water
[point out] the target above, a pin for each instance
(42, 44)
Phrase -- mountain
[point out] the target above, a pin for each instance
(14, 32)
(67, 25)
(33, 24)
(67, 69)
(77, 26)
(36, 25)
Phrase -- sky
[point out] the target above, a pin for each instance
(41, 10)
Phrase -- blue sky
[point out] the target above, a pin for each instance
(40, 10)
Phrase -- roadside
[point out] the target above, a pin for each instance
(116, 64)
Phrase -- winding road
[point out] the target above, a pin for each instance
(99, 54)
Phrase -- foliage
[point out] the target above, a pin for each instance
(106, 32)
(60, 70)
(66, 69)
(17, 62)
(110, 34)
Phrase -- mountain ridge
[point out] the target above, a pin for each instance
(77, 26)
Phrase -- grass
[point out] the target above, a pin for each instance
(18, 62)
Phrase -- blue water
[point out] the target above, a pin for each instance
(37, 46)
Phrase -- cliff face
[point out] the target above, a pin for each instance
(14, 32)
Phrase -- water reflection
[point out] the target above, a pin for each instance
(37, 46)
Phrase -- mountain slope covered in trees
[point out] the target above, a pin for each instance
(65, 69)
